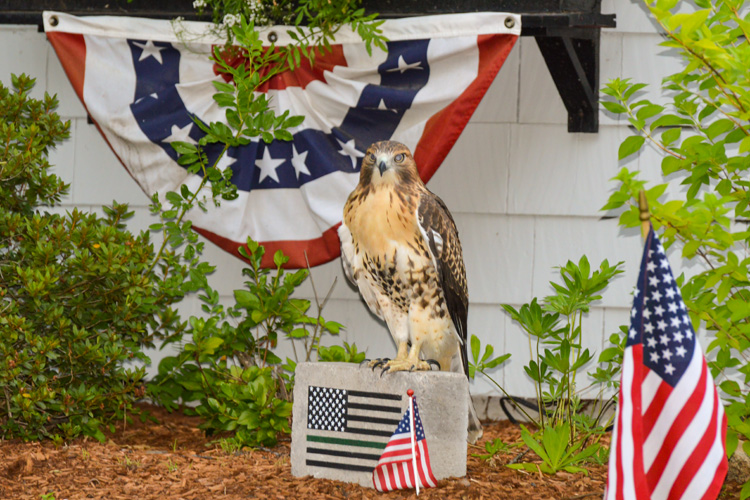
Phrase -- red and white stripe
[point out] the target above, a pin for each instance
(668, 443)
(395, 470)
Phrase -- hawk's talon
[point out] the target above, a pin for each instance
(378, 362)
(435, 363)
(365, 361)
(384, 370)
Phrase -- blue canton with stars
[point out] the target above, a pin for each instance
(659, 318)
(405, 425)
(162, 116)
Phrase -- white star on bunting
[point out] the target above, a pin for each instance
(298, 162)
(181, 134)
(148, 49)
(268, 166)
(349, 149)
(403, 65)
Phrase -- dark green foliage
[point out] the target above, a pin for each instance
(343, 354)
(77, 301)
(228, 365)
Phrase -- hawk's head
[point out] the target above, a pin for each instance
(388, 162)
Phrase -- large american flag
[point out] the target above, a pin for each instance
(670, 428)
(395, 469)
(143, 81)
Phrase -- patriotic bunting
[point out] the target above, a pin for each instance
(143, 81)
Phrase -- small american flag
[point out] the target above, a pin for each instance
(669, 437)
(395, 469)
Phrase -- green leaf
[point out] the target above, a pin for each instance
(745, 491)
(630, 146)
(649, 111)
(475, 346)
(671, 135)
(614, 107)
(497, 361)
(294, 121)
(719, 127)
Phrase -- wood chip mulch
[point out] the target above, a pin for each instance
(171, 459)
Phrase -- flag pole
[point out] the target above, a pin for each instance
(412, 434)
(644, 214)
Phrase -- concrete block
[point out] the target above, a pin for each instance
(372, 408)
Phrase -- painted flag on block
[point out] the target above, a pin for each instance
(396, 467)
(143, 81)
(670, 428)
(348, 430)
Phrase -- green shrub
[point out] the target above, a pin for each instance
(703, 136)
(567, 435)
(228, 366)
(77, 302)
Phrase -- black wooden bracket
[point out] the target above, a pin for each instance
(566, 31)
(573, 64)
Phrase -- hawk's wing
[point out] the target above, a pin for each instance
(441, 236)
(352, 269)
(347, 251)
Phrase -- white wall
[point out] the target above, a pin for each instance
(530, 202)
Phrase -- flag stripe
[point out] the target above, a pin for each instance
(368, 432)
(651, 384)
(654, 406)
(717, 461)
(675, 406)
(334, 465)
(671, 438)
(376, 395)
(346, 442)
(345, 454)
(363, 406)
(701, 451)
(372, 420)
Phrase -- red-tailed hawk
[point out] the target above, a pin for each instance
(400, 247)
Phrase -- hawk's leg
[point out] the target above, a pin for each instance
(408, 363)
(403, 349)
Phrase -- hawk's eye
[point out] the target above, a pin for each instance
(371, 158)
(399, 158)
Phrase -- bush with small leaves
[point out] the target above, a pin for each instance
(77, 300)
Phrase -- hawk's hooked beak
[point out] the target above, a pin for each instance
(382, 167)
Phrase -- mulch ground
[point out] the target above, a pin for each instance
(172, 459)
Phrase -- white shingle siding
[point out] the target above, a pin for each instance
(529, 202)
